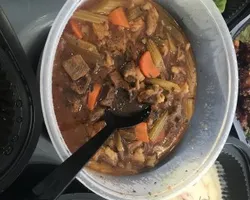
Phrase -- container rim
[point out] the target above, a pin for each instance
(51, 122)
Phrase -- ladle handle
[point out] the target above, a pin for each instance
(55, 183)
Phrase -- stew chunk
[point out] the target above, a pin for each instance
(76, 67)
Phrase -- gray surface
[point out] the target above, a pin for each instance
(212, 121)
(31, 20)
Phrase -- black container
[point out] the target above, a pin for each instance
(235, 11)
(20, 111)
(235, 31)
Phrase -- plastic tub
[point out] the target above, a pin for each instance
(238, 28)
(215, 106)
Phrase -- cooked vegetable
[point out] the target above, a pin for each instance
(158, 127)
(172, 45)
(87, 16)
(155, 54)
(141, 131)
(106, 6)
(166, 85)
(148, 67)
(118, 142)
(160, 138)
(169, 24)
(87, 50)
(93, 95)
(221, 4)
(189, 108)
(245, 35)
(80, 43)
(118, 17)
(76, 29)
(134, 13)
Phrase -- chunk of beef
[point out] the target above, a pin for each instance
(134, 3)
(76, 67)
(137, 25)
(81, 86)
(134, 51)
(151, 161)
(127, 134)
(109, 61)
(132, 74)
(153, 95)
(110, 156)
(152, 18)
(118, 81)
(109, 98)
(134, 145)
(118, 42)
(101, 30)
(97, 114)
(139, 156)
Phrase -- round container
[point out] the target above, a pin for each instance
(215, 106)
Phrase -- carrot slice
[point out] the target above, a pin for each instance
(147, 66)
(76, 29)
(93, 95)
(118, 17)
(141, 132)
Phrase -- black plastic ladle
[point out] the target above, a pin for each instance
(56, 182)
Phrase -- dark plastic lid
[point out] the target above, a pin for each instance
(235, 161)
(235, 11)
(20, 112)
(235, 31)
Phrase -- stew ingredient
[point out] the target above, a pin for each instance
(136, 47)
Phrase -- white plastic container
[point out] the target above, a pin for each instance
(215, 107)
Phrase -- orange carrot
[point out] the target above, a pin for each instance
(93, 95)
(118, 17)
(141, 132)
(147, 66)
(76, 29)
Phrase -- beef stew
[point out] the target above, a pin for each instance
(134, 46)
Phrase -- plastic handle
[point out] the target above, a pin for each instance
(55, 183)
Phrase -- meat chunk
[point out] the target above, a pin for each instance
(110, 156)
(76, 67)
(81, 86)
(137, 25)
(151, 161)
(135, 51)
(134, 145)
(118, 42)
(139, 156)
(134, 3)
(109, 62)
(118, 81)
(152, 18)
(153, 95)
(97, 114)
(101, 30)
(132, 74)
(109, 98)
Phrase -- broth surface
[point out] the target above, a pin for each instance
(134, 46)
